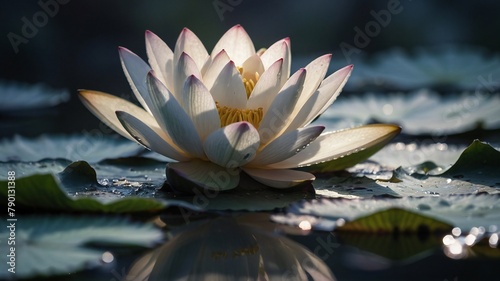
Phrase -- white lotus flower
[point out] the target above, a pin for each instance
(232, 110)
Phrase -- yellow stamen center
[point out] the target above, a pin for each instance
(230, 115)
(249, 80)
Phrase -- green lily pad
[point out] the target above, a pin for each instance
(419, 112)
(91, 148)
(45, 192)
(463, 211)
(464, 68)
(474, 172)
(80, 187)
(25, 169)
(113, 178)
(20, 97)
(409, 155)
(403, 248)
(57, 244)
(396, 221)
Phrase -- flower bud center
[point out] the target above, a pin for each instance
(249, 80)
(230, 115)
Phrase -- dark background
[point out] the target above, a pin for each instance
(77, 47)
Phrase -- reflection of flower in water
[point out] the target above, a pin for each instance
(455, 67)
(17, 97)
(224, 249)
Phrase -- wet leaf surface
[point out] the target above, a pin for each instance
(419, 113)
(49, 245)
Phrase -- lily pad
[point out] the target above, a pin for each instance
(91, 148)
(475, 171)
(396, 221)
(410, 155)
(418, 112)
(463, 68)
(25, 169)
(463, 211)
(56, 245)
(19, 97)
(80, 187)
(44, 192)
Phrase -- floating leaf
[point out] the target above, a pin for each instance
(24, 169)
(419, 112)
(474, 172)
(480, 159)
(351, 187)
(410, 155)
(396, 221)
(449, 66)
(463, 211)
(393, 247)
(116, 178)
(18, 97)
(56, 244)
(76, 188)
(44, 192)
(91, 148)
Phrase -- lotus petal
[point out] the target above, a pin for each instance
(233, 145)
(279, 178)
(332, 145)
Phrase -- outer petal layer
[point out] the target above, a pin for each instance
(173, 119)
(135, 70)
(279, 50)
(161, 59)
(149, 137)
(316, 71)
(324, 96)
(190, 44)
(279, 178)
(233, 145)
(104, 105)
(189, 176)
(286, 146)
(337, 144)
(236, 43)
(185, 67)
(278, 117)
